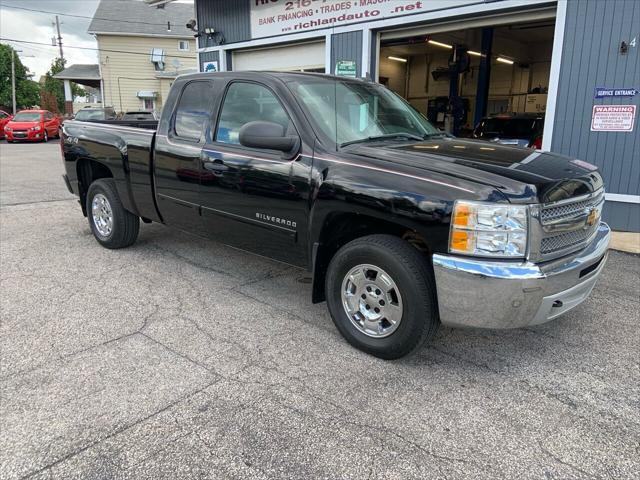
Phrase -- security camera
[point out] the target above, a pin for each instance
(191, 25)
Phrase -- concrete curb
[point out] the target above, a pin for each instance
(625, 242)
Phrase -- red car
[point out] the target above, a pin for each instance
(4, 119)
(32, 126)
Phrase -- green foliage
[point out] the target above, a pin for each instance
(54, 88)
(27, 91)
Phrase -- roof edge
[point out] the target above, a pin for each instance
(126, 34)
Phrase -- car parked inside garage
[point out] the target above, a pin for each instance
(520, 130)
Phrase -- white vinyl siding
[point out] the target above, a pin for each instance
(124, 75)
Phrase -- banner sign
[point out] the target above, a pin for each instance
(279, 17)
(615, 92)
(613, 118)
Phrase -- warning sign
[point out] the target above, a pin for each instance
(613, 118)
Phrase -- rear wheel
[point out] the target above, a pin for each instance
(381, 295)
(111, 224)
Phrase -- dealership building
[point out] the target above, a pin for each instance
(570, 65)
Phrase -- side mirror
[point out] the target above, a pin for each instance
(268, 135)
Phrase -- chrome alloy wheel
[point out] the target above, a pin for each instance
(372, 300)
(102, 215)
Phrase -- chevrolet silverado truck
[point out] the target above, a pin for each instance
(403, 227)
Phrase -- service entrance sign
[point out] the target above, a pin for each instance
(613, 118)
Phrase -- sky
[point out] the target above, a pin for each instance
(37, 27)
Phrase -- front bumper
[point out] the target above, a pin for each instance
(24, 136)
(491, 294)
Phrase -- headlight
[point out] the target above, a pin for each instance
(7, 129)
(36, 128)
(488, 229)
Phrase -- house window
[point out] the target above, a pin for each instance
(183, 45)
(148, 104)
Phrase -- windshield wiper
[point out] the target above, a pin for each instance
(408, 136)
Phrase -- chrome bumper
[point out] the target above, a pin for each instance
(490, 294)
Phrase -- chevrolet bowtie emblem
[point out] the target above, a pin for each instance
(593, 216)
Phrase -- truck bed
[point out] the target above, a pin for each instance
(126, 147)
(147, 124)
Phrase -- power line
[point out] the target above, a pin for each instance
(83, 16)
(93, 49)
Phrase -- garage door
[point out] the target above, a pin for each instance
(306, 56)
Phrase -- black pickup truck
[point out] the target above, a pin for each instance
(402, 226)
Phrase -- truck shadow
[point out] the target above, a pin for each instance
(566, 340)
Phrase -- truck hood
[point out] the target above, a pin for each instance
(521, 174)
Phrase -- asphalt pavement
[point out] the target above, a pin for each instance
(182, 358)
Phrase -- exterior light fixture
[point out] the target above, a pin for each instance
(474, 53)
(398, 59)
(504, 60)
(438, 44)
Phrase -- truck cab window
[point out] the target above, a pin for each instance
(193, 110)
(248, 102)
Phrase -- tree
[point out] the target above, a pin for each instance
(27, 91)
(52, 93)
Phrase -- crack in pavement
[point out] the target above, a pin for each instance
(3, 205)
(562, 462)
(119, 431)
(531, 387)
(60, 358)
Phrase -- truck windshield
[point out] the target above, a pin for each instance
(27, 117)
(353, 111)
(90, 115)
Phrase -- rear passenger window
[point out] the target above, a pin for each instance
(248, 102)
(193, 110)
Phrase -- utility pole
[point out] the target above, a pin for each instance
(13, 79)
(59, 38)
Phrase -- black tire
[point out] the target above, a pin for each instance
(413, 276)
(125, 225)
(45, 137)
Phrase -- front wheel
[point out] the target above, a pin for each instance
(111, 224)
(381, 295)
(45, 137)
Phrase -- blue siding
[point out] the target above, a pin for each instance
(346, 46)
(590, 59)
(229, 17)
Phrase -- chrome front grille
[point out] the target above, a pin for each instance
(549, 214)
(564, 227)
(565, 240)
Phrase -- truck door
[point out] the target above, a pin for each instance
(254, 199)
(177, 153)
